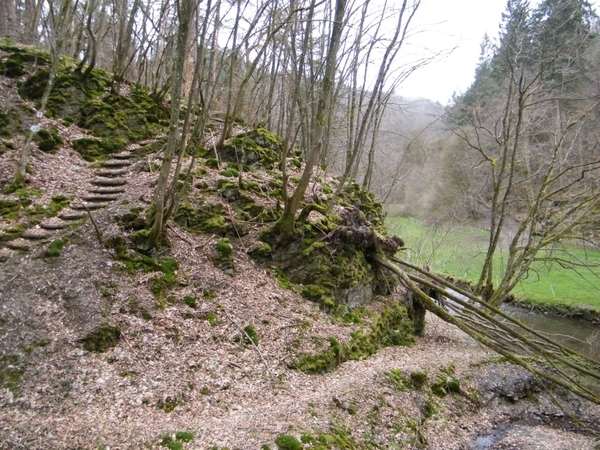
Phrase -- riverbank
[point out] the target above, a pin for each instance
(579, 312)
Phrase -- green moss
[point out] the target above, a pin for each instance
(12, 368)
(288, 442)
(230, 173)
(256, 148)
(392, 327)
(160, 284)
(211, 317)
(312, 247)
(223, 257)
(418, 379)
(48, 140)
(444, 386)
(398, 379)
(207, 218)
(57, 204)
(9, 209)
(250, 336)
(168, 404)
(8, 234)
(175, 441)
(102, 339)
(190, 301)
(224, 249)
(55, 248)
(92, 149)
(315, 292)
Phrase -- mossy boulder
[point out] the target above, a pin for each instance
(209, 218)
(258, 148)
(19, 59)
(92, 149)
(392, 327)
(333, 257)
(48, 140)
(123, 118)
(86, 99)
(12, 120)
(70, 91)
(223, 256)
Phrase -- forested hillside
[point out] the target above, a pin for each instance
(193, 243)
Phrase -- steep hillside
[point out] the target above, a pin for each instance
(216, 340)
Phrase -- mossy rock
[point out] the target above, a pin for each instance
(103, 338)
(11, 120)
(206, 218)
(365, 201)
(86, 100)
(392, 328)
(92, 149)
(128, 119)
(69, 94)
(223, 256)
(48, 140)
(21, 59)
(258, 148)
(344, 275)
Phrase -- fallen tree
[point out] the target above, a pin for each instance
(498, 331)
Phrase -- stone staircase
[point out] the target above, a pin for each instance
(107, 185)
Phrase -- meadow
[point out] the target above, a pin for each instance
(459, 251)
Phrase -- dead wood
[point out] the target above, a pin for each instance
(560, 365)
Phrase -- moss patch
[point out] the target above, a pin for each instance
(48, 140)
(92, 149)
(176, 440)
(12, 368)
(207, 218)
(102, 339)
(55, 248)
(256, 148)
(392, 327)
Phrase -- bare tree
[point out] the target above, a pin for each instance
(540, 167)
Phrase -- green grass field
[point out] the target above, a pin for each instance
(460, 251)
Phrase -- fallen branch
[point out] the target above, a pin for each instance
(591, 368)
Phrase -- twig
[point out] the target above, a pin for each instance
(241, 330)
(98, 233)
(10, 281)
(179, 235)
(205, 243)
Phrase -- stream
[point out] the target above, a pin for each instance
(578, 335)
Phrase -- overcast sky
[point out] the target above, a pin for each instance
(443, 25)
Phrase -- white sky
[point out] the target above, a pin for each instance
(446, 24)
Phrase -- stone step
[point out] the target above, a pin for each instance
(116, 163)
(109, 181)
(54, 224)
(83, 206)
(99, 198)
(72, 215)
(35, 234)
(107, 190)
(123, 155)
(19, 244)
(111, 173)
